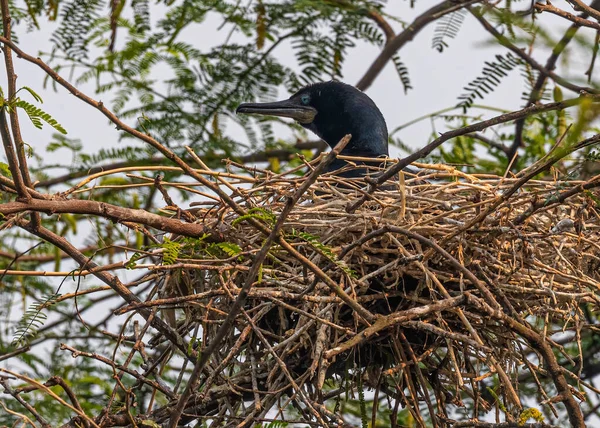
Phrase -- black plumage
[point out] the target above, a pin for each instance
(331, 110)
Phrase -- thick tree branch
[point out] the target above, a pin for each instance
(112, 212)
(591, 10)
(582, 22)
(407, 35)
(12, 92)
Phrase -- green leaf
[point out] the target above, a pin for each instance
(170, 251)
(259, 214)
(37, 115)
(33, 94)
(230, 248)
(32, 320)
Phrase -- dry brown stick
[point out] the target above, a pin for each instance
(557, 199)
(420, 325)
(420, 377)
(335, 287)
(539, 342)
(312, 316)
(11, 157)
(14, 353)
(258, 293)
(283, 368)
(7, 182)
(479, 126)
(111, 363)
(50, 393)
(57, 380)
(540, 7)
(511, 393)
(590, 10)
(169, 154)
(8, 390)
(14, 117)
(263, 156)
(407, 35)
(455, 263)
(536, 91)
(391, 320)
(250, 276)
(233, 352)
(372, 14)
(112, 212)
(530, 172)
(479, 424)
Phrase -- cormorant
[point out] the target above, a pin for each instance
(332, 110)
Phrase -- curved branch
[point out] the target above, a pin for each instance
(564, 14)
(109, 211)
(407, 35)
(591, 10)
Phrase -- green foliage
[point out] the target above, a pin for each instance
(5, 170)
(257, 213)
(78, 18)
(447, 27)
(402, 71)
(315, 242)
(229, 248)
(273, 424)
(37, 115)
(492, 74)
(32, 320)
(530, 413)
(171, 251)
(132, 262)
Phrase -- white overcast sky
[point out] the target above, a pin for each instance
(437, 79)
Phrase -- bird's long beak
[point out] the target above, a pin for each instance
(285, 108)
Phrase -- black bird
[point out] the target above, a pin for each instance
(332, 110)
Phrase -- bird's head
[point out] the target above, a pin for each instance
(332, 110)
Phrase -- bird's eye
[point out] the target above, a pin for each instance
(305, 99)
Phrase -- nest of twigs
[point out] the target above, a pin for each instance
(448, 294)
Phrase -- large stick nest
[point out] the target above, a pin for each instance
(448, 294)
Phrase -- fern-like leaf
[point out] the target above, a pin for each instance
(492, 75)
(37, 116)
(141, 15)
(402, 72)
(78, 17)
(32, 320)
(170, 251)
(447, 28)
(33, 93)
(315, 242)
(259, 214)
